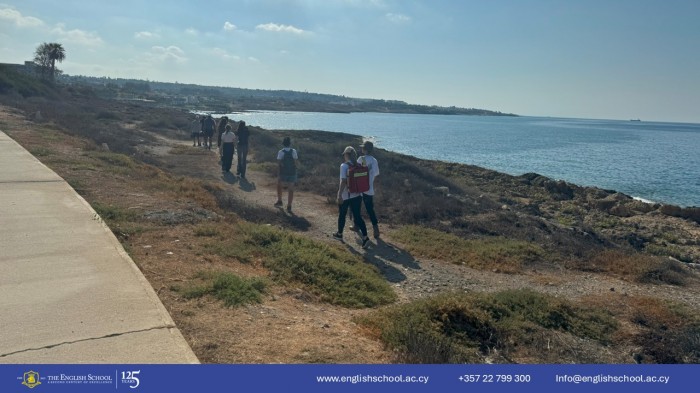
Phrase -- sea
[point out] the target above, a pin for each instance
(652, 161)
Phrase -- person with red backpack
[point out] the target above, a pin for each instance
(353, 179)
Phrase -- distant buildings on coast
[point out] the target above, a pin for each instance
(29, 67)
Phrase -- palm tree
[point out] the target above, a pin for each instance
(46, 56)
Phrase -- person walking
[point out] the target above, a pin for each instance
(228, 140)
(243, 133)
(208, 128)
(368, 160)
(221, 128)
(347, 200)
(287, 158)
(195, 128)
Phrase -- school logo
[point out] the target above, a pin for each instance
(31, 379)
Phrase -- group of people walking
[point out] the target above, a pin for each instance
(203, 129)
(232, 135)
(349, 201)
(353, 201)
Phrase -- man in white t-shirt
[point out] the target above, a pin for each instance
(368, 197)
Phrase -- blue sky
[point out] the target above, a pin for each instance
(611, 59)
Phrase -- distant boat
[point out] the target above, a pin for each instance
(635, 120)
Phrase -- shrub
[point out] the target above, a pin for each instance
(458, 328)
(637, 267)
(233, 290)
(332, 274)
(493, 253)
(669, 334)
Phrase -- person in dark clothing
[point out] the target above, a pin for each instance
(208, 128)
(242, 133)
(221, 128)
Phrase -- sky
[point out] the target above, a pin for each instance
(601, 59)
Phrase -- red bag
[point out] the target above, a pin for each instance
(358, 178)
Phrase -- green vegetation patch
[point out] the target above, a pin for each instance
(114, 213)
(41, 152)
(499, 254)
(334, 275)
(636, 267)
(466, 328)
(233, 290)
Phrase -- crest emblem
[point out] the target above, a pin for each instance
(31, 379)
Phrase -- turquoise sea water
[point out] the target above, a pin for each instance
(654, 161)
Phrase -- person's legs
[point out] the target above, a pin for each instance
(369, 206)
(342, 213)
(227, 156)
(355, 206)
(352, 221)
(242, 159)
(290, 196)
(279, 192)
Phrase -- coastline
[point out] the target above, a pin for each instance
(556, 148)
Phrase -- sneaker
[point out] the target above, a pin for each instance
(289, 209)
(375, 230)
(365, 242)
(278, 204)
(338, 236)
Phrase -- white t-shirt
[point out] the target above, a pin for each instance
(373, 166)
(280, 154)
(344, 168)
(228, 137)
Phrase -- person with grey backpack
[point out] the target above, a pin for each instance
(287, 160)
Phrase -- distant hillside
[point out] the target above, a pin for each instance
(239, 99)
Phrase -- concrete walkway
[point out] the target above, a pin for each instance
(69, 293)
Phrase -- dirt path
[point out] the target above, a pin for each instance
(412, 278)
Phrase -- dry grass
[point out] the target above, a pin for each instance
(655, 330)
(496, 254)
(635, 267)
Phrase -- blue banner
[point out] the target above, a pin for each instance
(348, 378)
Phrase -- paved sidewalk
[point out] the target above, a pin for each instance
(69, 293)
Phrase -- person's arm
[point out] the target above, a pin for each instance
(341, 189)
(343, 185)
(279, 163)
